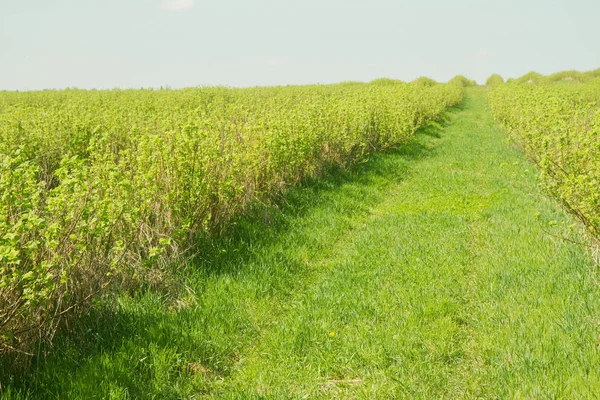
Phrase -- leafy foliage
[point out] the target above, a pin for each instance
(531, 78)
(424, 81)
(558, 126)
(100, 188)
(563, 76)
(463, 81)
(494, 80)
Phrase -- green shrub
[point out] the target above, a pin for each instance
(565, 76)
(531, 78)
(558, 126)
(424, 81)
(591, 75)
(384, 81)
(494, 80)
(463, 81)
(99, 189)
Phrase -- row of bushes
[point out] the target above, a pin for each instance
(558, 126)
(99, 188)
(537, 78)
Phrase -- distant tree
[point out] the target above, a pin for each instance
(531, 78)
(494, 80)
(463, 81)
(424, 81)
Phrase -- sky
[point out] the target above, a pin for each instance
(51, 44)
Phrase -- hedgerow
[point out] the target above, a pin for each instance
(558, 126)
(463, 81)
(100, 188)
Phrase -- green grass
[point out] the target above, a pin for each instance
(437, 270)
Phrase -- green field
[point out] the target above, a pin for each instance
(441, 268)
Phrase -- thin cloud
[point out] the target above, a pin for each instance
(177, 4)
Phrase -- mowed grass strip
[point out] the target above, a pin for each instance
(459, 285)
(438, 270)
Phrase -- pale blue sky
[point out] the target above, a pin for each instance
(179, 43)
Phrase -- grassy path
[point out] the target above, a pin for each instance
(434, 271)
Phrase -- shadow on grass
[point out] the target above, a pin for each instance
(116, 346)
(266, 223)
